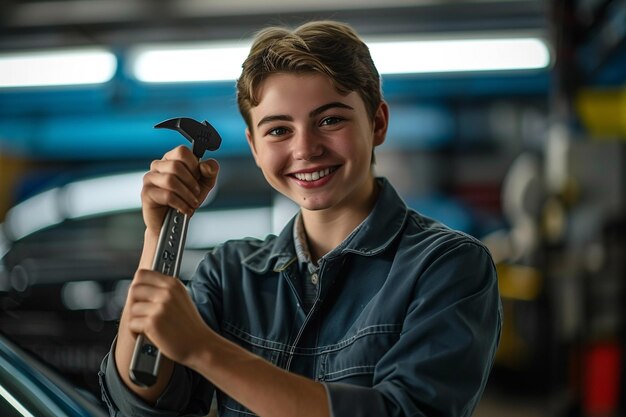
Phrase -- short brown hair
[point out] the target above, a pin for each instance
(331, 48)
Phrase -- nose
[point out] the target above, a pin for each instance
(307, 145)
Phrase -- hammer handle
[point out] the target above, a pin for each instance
(144, 365)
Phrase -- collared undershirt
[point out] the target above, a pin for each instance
(309, 277)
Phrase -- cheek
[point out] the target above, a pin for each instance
(269, 160)
(358, 145)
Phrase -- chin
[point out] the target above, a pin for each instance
(311, 204)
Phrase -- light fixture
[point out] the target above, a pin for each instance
(54, 68)
(188, 63)
(222, 61)
(459, 55)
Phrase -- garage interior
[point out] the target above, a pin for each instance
(531, 161)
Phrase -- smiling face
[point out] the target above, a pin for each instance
(313, 144)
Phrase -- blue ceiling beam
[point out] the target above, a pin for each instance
(115, 120)
(119, 135)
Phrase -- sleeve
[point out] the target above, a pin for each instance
(187, 394)
(442, 359)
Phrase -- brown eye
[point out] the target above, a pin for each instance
(278, 131)
(328, 121)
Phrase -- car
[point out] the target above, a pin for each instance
(68, 254)
(30, 389)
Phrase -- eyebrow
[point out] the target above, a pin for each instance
(334, 104)
(313, 113)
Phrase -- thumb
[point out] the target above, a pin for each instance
(208, 175)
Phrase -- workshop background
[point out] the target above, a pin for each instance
(529, 158)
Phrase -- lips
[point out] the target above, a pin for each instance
(314, 175)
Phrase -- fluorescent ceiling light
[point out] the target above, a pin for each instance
(432, 56)
(63, 67)
(215, 62)
(188, 63)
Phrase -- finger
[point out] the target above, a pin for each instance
(179, 170)
(185, 155)
(139, 324)
(141, 293)
(152, 278)
(161, 190)
(185, 164)
(154, 197)
(147, 284)
(209, 170)
(143, 309)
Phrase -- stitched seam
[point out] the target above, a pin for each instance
(354, 370)
(281, 347)
(254, 340)
(367, 331)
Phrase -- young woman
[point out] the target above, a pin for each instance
(360, 307)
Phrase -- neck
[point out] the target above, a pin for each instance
(326, 229)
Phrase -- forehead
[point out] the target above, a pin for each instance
(289, 93)
(287, 84)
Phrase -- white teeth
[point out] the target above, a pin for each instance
(313, 176)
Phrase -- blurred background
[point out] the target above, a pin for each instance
(508, 121)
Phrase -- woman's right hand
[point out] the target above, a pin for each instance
(177, 180)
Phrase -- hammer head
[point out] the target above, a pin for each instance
(203, 136)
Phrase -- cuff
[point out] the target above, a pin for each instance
(123, 402)
(354, 401)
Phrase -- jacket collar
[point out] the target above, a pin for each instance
(379, 230)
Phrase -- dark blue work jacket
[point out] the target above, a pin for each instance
(406, 321)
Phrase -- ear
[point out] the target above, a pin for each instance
(381, 122)
(250, 140)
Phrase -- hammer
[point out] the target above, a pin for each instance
(144, 365)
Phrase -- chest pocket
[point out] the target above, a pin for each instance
(354, 360)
